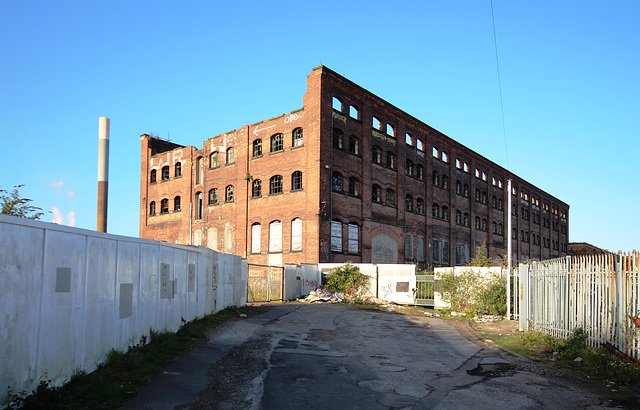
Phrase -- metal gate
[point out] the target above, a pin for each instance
(264, 283)
(424, 290)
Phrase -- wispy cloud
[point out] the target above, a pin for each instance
(57, 186)
(71, 218)
(57, 218)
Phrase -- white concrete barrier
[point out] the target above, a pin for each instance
(69, 296)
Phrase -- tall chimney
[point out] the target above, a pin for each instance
(103, 172)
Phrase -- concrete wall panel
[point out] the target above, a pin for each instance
(69, 296)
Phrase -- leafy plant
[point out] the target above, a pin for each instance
(346, 279)
(471, 291)
(13, 204)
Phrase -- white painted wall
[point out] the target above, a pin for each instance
(68, 296)
(486, 272)
(391, 282)
(300, 279)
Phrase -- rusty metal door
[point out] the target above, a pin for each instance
(264, 283)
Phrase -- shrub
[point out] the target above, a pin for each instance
(471, 291)
(346, 279)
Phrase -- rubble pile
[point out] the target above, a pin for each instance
(487, 318)
(324, 296)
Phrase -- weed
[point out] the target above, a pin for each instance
(346, 279)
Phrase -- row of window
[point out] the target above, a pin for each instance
(165, 171)
(276, 142)
(164, 206)
(275, 236)
(385, 127)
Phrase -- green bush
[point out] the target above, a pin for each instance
(346, 279)
(471, 292)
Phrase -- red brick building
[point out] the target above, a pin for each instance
(347, 177)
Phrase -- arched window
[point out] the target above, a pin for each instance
(152, 208)
(198, 205)
(409, 168)
(466, 191)
(376, 193)
(390, 198)
(229, 192)
(165, 173)
(152, 176)
(296, 234)
(409, 203)
(336, 183)
(176, 204)
(354, 186)
(256, 236)
(354, 236)
(377, 155)
(445, 213)
(436, 178)
(354, 112)
(275, 184)
(213, 160)
(420, 206)
(435, 210)
(458, 187)
(445, 182)
(408, 139)
(336, 236)
(420, 172)
(419, 145)
(435, 152)
(230, 155)
(337, 138)
(276, 143)
(391, 131)
(458, 217)
(494, 228)
(477, 225)
(391, 160)
(296, 137)
(213, 196)
(354, 145)
(337, 104)
(445, 157)
(296, 181)
(484, 225)
(164, 206)
(465, 219)
(477, 195)
(178, 170)
(256, 188)
(500, 204)
(275, 236)
(257, 148)
(375, 123)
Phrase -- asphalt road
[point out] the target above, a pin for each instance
(322, 356)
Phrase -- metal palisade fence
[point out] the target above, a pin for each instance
(599, 293)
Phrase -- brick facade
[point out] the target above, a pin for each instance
(347, 177)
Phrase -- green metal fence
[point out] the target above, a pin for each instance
(424, 290)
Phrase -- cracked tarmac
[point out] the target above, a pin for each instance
(331, 356)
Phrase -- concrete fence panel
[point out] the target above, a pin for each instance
(68, 296)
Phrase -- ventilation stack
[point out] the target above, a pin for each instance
(103, 172)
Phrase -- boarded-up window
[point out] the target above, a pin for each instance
(336, 236)
(275, 236)
(353, 239)
(255, 237)
(408, 247)
(420, 248)
(296, 234)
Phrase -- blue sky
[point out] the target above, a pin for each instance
(570, 79)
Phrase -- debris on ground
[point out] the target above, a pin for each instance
(324, 296)
(487, 318)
